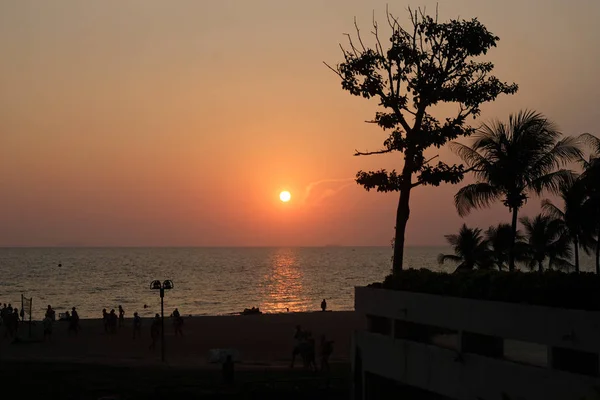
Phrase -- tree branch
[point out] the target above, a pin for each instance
(333, 69)
(370, 153)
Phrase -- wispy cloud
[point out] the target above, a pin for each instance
(318, 191)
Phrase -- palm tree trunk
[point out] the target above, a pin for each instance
(402, 215)
(598, 251)
(576, 248)
(511, 250)
(540, 267)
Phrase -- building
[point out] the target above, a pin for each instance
(424, 346)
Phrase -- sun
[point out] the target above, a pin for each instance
(285, 196)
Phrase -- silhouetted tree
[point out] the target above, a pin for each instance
(575, 216)
(499, 239)
(546, 239)
(470, 250)
(591, 181)
(429, 63)
(512, 159)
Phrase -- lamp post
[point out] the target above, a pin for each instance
(166, 285)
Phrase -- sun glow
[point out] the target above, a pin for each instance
(285, 196)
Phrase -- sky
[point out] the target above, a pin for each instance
(177, 123)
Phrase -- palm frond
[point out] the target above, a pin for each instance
(550, 209)
(552, 182)
(448, 257)
(591, 141)
(470, 156)
(563, 152)
(475, 195)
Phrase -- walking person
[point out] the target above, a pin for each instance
(154, 331)
(298, 338)
(137, 326)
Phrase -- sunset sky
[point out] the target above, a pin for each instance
(159, 123)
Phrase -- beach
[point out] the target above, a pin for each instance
(97, 365)
(261, 340)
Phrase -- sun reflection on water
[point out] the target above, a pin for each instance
(284, 283)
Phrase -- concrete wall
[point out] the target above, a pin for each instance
(472, 377)
(464, 375)
(575, 329)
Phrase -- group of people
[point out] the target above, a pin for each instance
(305, 347)
(9, 317)
(110, 320)
(72, 318)
(156, 326)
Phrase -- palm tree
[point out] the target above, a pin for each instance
(499, 240)
(575, 216)
(512, 159)
(470, 250)
(591, 179)
(546, 240)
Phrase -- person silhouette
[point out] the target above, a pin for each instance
(324, 305)
(155, 331)
(137, 325)
(121, 316)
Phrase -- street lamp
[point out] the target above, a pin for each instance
(166, 285)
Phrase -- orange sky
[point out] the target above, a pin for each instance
(153, 122)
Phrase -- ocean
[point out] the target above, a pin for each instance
(207, 281)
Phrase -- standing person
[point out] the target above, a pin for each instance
(298, 336)
(47, 327)
(15, 320)
(121, 316)
(324, 305)
(50, 313)
(105, 320)
(74, 322)
(112, 321)
(137, 325)
(309, 353)
(177, 323)
(154, 331)
(326, 350)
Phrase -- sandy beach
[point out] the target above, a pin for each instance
(261, 340)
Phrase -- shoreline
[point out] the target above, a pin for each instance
(187, 316)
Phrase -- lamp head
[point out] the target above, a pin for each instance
(155, 285)
(168, 284)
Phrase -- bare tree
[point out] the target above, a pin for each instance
(432, 62)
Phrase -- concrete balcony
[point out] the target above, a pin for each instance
(468, 349)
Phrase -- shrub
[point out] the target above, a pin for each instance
(550, 288)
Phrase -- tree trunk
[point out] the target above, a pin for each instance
(511, 251)
(598, 251)
(576, 248)
(402, 215)
(540, 267)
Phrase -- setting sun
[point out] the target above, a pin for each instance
(285, 196)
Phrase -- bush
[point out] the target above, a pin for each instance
(551, 288)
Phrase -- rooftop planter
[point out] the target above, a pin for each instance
(551, 288)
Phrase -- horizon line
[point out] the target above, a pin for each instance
(196, 246)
